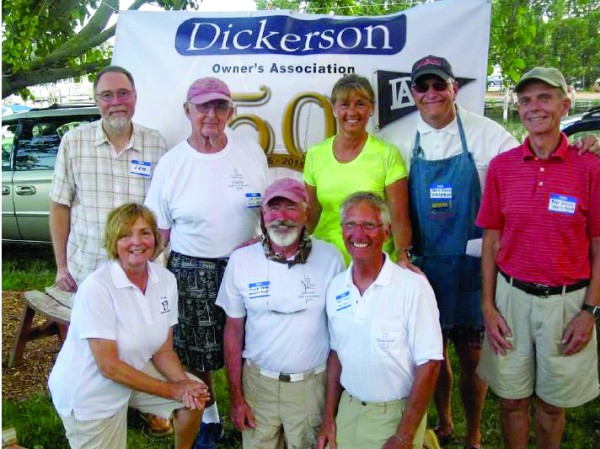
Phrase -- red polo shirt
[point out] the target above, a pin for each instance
(548, 211)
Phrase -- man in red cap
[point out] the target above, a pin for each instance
(276, 338)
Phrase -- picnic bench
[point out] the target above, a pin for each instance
(57, 318)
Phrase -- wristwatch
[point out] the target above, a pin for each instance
(594, 310)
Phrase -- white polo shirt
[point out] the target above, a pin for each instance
(284, 306)
(485, 140)
(382, 336)
(109, 306)
(210, 202)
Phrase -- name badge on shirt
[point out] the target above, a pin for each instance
(258, 289)
(165, 307)
(440, 191)
(343, 301)
(140, 168)
(253, 200)
(440, 196)
(562, 204)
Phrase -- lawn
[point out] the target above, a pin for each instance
(37, 424)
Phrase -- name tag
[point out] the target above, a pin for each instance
(165, 307)
(440, 192)
(343, 301)
(253, 200)
(562, 204)
(258, 289)
(140, 168)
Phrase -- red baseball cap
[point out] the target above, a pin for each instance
(208, 89)
(288, 188)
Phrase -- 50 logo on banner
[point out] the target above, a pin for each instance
(294, 159)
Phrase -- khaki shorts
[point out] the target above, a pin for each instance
(111, 432)
(283, 411)
(536, 364)
(368, 425)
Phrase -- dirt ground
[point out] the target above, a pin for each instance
(31, 374)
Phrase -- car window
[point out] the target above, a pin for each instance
(8, 138)
(39, 140)
(579, 135)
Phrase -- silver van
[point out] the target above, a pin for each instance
(29, 145)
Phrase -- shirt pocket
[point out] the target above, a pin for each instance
(386, 339)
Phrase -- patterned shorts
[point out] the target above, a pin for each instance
(468, 337)
(198, 338)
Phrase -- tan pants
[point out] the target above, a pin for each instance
(536, 363)
(368, 425)
(283, 411)
(112, 432)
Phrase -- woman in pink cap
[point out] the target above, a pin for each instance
(206, 193)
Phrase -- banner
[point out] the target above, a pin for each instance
(281, 67)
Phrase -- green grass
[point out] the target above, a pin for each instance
(27, 267)
(37, 424)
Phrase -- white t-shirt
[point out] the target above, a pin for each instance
(210, 202)
(485, 140)
(382, 337)
(110, 307)
(266, 292)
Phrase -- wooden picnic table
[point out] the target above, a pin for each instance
(58, 317)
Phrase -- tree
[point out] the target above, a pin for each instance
(48, 40)
(341, 7)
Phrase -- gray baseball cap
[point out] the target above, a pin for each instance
(548, 75)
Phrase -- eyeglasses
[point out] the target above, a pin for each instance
(351, 226)
(423, 87)
(219, 106)
(107, 96)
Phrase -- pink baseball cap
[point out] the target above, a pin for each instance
(288, 188)
(208, 89)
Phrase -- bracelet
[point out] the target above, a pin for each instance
(404, 250)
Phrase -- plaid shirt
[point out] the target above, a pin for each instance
(92, 179)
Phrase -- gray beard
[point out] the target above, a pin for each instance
(283, 240)
(118, 124)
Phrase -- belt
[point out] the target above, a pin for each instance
(544, 290)
(286, 377)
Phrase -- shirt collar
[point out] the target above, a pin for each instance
(450, 128)
(300, 257)
(383, 278)
(121, 280)
(560, 153)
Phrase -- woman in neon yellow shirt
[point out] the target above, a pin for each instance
(352, 161)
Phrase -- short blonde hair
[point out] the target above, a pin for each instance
(121, 220)
(352, 83)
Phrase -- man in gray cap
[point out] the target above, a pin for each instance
(541, 269)
(276, 338)
(448, 158)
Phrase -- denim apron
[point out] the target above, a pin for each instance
(444, 200)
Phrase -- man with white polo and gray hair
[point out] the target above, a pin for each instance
(276, 338)
(386, 340)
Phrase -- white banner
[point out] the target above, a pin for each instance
(281, 66)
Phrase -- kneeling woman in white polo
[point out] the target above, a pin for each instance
(118, 351)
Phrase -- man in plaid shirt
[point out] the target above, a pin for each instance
(99, 166)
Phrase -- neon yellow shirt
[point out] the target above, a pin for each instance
(378, 165)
